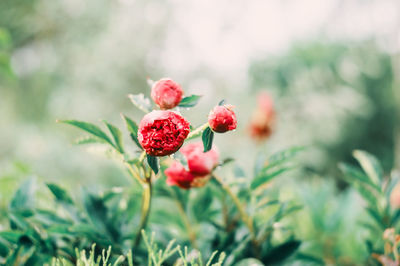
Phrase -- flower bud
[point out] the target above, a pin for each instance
(200, 166)
(177, 175)
(166, 93)
(162, 132)
(222, 118)
(395, 197)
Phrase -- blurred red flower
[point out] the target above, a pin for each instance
(263, 119)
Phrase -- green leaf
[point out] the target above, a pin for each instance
(370, 165)
(281, 252)
(60, 193)
(226, 161)
(222, 102)
(249, 261)
(97, 213)
(90, 128)
(366, 194)
(141, 102)
(355, 174)
(3, 248)
(88, 140)
(23, 199)
(265, 177)
(133, 130)
(117, 136)
(189, 101)
(282, 157)
(153, 163)
(207, 138)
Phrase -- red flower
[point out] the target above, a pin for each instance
(200, 166)
(222, 118)
(177, 175)
(162, 132)
(166, 93)
(263, 119)
(200, 163)
(395, 197)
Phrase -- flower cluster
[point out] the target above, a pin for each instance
(163, 132)
(263, 119)
(200, 165)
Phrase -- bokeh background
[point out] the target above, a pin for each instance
(331, 66)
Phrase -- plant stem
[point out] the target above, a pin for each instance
(185, 218)
(197, 132)
(244, 216)
(133, 173)
(146, 205)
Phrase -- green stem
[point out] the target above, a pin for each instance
(186, 221)
(146, 205)
(197, 132)
(248, 221)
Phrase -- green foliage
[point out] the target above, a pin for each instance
(371, 183)
(189, 101)
(207, 138)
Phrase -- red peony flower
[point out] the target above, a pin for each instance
(200, 166)
(222, 118)
(177, 175)
(263, 119)
(162, 132)
(200, 163)
(166, 93)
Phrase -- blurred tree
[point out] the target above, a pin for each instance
(339, 96)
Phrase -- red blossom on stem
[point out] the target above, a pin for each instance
(200, 166)
(222, 118)
(166, 93)
(162, 132)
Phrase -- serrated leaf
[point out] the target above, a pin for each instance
(370, 165)
(117, 136)
(133, 130)
(265, 177)
(281, 252)
(141, 102)
(153, 163)
(207, 138)
(189, 101)
(90, 128)
(60, 193)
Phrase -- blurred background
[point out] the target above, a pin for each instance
(332, 68)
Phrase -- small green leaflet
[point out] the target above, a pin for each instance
(117, 135)
(133, 130)
(190, 101)
(222, 102)
(153, 162)
(207, 138)
(141, 102)
(60, 193)
(90, 128)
